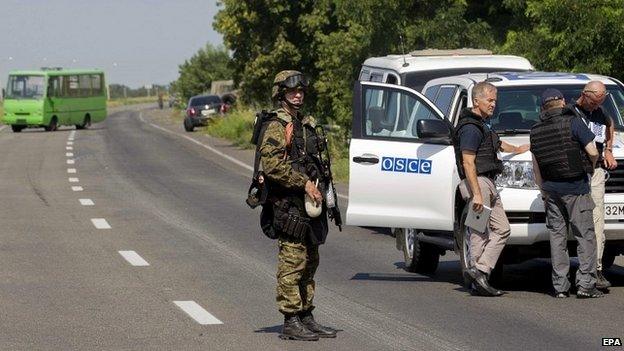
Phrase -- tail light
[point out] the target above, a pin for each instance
(223, 109)
(191, 111)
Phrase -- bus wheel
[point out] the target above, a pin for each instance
(85, 124)
(17, 129)
(52, 126)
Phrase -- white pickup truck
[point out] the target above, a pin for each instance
(403, 173)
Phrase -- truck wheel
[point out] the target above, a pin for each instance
(463, 237)
(419, 257)
(16, 128)
(608, 257)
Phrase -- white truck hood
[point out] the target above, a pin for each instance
(618, 147)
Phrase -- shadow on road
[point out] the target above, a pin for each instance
(532, 276)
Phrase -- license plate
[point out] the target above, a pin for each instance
(614, 211)
(208, 112)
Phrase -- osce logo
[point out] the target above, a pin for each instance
(408, 165)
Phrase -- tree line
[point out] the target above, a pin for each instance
(329, 40)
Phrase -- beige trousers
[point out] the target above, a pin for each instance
(485, 248)
(597, 194)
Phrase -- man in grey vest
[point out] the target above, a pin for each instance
(564, 154)
(588, 108)
(476, 155)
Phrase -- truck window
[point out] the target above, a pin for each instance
(392, 114)
(444, 98)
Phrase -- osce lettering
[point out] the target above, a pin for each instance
(408, 165)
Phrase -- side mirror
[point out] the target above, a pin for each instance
(433, 128)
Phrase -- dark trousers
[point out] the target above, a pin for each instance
(565, 213)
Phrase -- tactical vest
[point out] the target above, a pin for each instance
(560, 158)
(289, 204)
(486, 161)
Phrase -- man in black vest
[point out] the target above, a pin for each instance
(564, 154)
(588, 108)
(476, 155)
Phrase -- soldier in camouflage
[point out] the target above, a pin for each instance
(288, 167)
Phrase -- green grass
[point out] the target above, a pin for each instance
(135, 100)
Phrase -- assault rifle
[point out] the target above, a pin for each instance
(331, 199)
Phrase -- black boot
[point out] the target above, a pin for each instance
(324, 332)
(601, 282)
(295, 330)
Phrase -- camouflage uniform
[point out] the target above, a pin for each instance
(298, 257)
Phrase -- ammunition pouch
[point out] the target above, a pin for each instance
(288, 221)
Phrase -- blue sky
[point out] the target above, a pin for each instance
(136, 42)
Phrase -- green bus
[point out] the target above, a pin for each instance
(52, 97)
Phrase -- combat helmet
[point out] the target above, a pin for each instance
(287, 79)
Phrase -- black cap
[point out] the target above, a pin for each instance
(551, 94)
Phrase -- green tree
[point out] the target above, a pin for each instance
(571, 35)
(197, 73)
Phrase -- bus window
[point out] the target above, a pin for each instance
(96, 84)
(84, 82)
(72, 88)
(25, 87)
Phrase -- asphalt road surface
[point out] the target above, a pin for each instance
(134, 235)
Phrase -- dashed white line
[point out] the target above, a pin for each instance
(70, 139)
(77, 188)
(71, 170)
(229, 158)
(133, 258)
(74, 180)
(69, 147)
(70, 161)
(86, 202)
(100, 223)
(69, 154)
(70, 143)
(198, 313)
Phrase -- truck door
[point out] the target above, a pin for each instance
(397, 179)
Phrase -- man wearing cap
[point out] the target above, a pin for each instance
(564, 154)
(588, 107)
(288, 150)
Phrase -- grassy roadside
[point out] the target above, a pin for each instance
(237, 125)
(135, 100)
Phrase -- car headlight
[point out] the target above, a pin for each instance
(517, 174)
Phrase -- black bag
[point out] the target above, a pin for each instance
(266, 221)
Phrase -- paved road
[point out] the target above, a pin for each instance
(205, 277)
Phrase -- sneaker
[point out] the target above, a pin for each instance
(592, 293)
(562, 294)
(601, 282)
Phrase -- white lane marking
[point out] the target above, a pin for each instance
(86, 202)
(72, 133)
(70, 139)
(69, 154)
(74, 180)
(198, 313)
(69, 147)
(133, 258)
(100, 223)
(77, 188)
(229, 158)
(71, 170)
(70, 161)
(70, 143)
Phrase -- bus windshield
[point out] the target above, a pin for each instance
(26, 87)
(518, 107)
